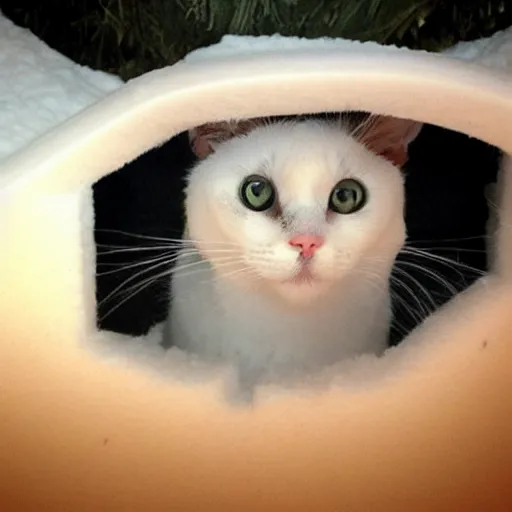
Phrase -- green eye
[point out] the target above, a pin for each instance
(257, 193)
(348, 196)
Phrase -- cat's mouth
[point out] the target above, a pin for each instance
(303, 276)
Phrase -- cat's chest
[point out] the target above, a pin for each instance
(221, 320)
(256, 325)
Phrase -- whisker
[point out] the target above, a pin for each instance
(422, 307)
(129, 280)
(126, 249)
(448, 262)
(440, 259)
(416, 316)
(142, 272)
(129, 266)
(452, 249)
(177, 249)
(433, 275)
(397, 325)
(459, 239)
(126, 294)
(136, 235)
(400, 328)
(179, 241)
(137, 289)
(392, 279)
(177, 271)
(377, 282)
(421, 287)
(217, 261)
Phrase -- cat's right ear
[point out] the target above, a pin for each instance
(205, 139)
(389, 137)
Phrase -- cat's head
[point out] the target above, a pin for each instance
(294, 208)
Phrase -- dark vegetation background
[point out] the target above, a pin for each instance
(446, 175)
(130, 37)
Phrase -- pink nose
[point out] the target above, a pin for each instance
(308, 244)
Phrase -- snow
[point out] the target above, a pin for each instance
(40, 88)
(493, 52)
(232, 45)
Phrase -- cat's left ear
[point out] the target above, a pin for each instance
(390, 137)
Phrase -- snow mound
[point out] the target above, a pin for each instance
(493, 52)
(40, 88)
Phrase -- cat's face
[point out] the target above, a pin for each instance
(296, 208)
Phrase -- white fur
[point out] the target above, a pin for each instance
(239, 309)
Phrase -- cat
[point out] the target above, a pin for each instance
(292, 229)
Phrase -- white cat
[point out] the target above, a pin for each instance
(293, 230)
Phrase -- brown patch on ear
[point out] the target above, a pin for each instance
(389, 137)
(205, 138)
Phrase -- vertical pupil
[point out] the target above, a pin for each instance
(345, 195)
(257, 188)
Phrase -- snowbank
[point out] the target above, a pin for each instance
(40, 88)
